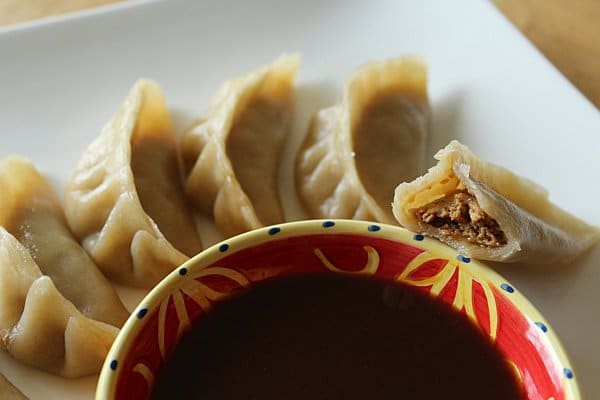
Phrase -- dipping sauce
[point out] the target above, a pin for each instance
(330, 336)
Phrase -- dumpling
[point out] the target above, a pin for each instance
(357, 151)
(8, 391)
(30, 211)
(489, 213)
(38, 326)
(232, 156)
(125, 200)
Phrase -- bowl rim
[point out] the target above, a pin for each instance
(109, 373)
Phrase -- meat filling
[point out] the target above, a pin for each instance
(459, 216)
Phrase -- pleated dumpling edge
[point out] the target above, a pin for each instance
(31, 212)
(38, 325)
(357, 151)
(232, 155)
(124, 199)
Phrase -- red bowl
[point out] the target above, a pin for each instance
(356, 247)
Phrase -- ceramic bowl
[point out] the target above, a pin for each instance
(392, 253)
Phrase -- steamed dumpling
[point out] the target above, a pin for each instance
(125, 201)
(232, 156)
(357, 151)
(38, 325)
(8, 391)
(488, 212)
(30, 211)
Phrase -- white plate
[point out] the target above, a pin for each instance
(61, 79)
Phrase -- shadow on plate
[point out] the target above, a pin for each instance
(446, 115)
(310, 98)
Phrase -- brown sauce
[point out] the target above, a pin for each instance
(328, 336)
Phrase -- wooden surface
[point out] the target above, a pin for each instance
(15, 11)
(566, 31)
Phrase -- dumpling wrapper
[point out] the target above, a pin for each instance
(8, 391)
(38, 326)
(498, 215)
(232, 156)
(30, 211)
(357, 151)
(125, 200)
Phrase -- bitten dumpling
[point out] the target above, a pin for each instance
(125, 200)
(357, 151)
(489, 213)
(38, 326)
(232, 156)
(30, 211)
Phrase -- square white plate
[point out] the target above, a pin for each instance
(61, 79)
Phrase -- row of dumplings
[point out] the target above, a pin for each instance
(128, 214)
(129, 203)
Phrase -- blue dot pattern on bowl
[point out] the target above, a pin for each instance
(542, 326)
(418, 237)
(568, 373)
(223, 248)
(182, 271)
(274, 231)
(463, 259)
(507, 288)
(328, 224)
(142, 313)
(114, 364)
(374, 228)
